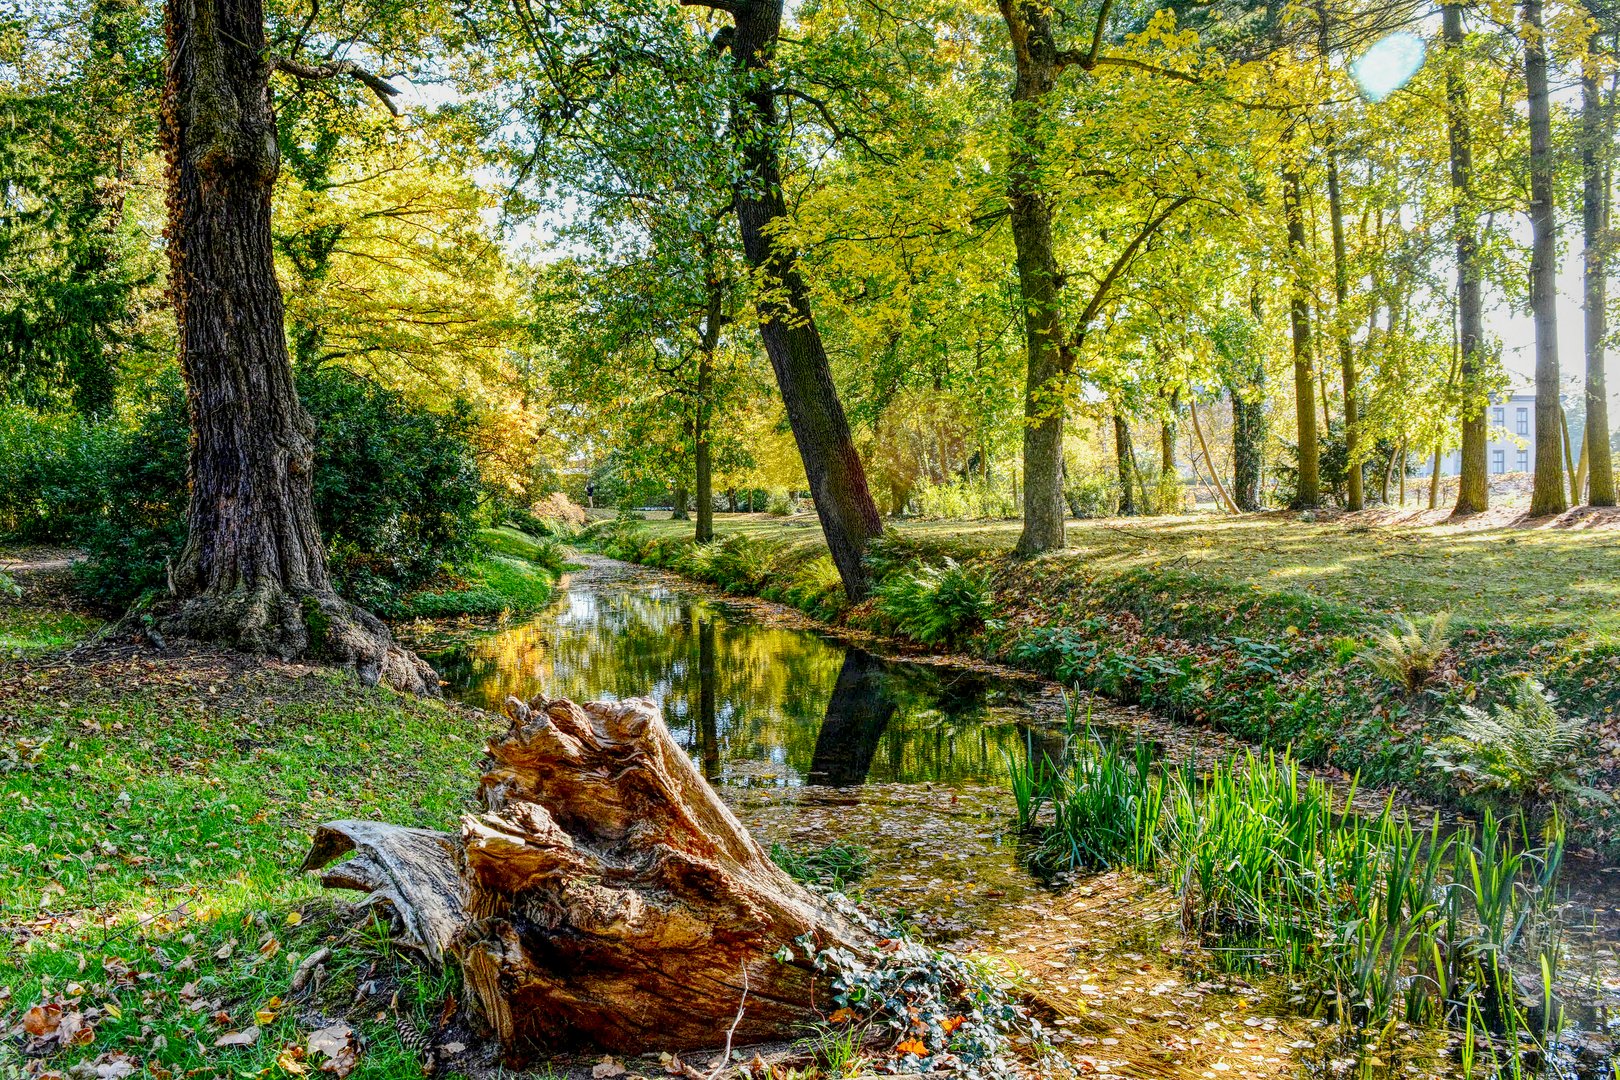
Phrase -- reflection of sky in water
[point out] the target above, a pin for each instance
(752, 703)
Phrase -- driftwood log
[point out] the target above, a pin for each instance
(606, 896)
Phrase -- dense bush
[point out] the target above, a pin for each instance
(396, 492)
(54, 467)
(1092, 496)
(144, 524)
(396, 486)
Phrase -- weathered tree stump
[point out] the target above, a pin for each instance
(606, 896)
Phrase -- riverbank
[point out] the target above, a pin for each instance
(1260, 627)
(158, 804)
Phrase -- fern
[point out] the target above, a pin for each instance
(1521, 749)
(936, 604)
(1409, 654)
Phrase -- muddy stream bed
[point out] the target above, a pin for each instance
(814, 739)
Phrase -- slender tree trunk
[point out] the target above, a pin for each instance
(708, 728)
(1122, 459)
(1248, 437)
(1548, 494)
(713, 321)
(1035, 58)
(1309, 492)
(849, 517)
(1596, 157)
(1472, 483)
(1434, 478)
(678, 503)
(1167, 435)
(1347, 363)
(1227, 501)
(1569, 460)
(253, 571)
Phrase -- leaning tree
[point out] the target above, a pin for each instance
(253, 571)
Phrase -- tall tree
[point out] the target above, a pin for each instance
(1597, 175)
(1472, 487)
(1548, 494)
(253, 572)
(1308, 493)
(787, 325)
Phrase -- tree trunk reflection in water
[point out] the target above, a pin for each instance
(857, 716)
(708, 732)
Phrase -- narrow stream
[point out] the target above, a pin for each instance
(813, 740)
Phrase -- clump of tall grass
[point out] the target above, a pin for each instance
(1373, 919)
(935, 605)
(1409, 653)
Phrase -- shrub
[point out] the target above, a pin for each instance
(396, 486)
(144, 524)
(1408, 654)
(780, 505)
(816, 588)
(963, 498)
(1092, 496)
(54, 467)
(396, 491)
(936, 604)
(1521, 751)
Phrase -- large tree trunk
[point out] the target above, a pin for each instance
(605, 896)
(1035, 56)
(849, 517)
(1347, 363)
(1473, 483)
(1548, 494)
(678, 503)
(253, 570)
(1597, 155)
(1309, 491)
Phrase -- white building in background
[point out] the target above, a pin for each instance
(1510, 428)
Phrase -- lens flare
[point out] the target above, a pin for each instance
(1388, 65)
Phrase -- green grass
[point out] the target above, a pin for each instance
(27, 629)
(1542, 577)
(153, 821)
(512, 576)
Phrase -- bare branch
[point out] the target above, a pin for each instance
(337, 69)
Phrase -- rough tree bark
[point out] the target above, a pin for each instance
(849, 517)
(1597, 157)
(1309, 490)
(1473, 484)
(1547, 494)
(253, 571)
(605, 896)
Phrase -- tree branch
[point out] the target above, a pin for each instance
(1106, 285)
(730, 7)
(337, 69)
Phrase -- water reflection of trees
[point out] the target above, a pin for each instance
(753, 703)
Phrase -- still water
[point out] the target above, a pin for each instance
(753, 703)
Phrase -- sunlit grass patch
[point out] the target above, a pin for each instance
(28, 629)
(152, 821)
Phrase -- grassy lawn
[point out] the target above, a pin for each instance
(1562, 579)
(153, 815)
